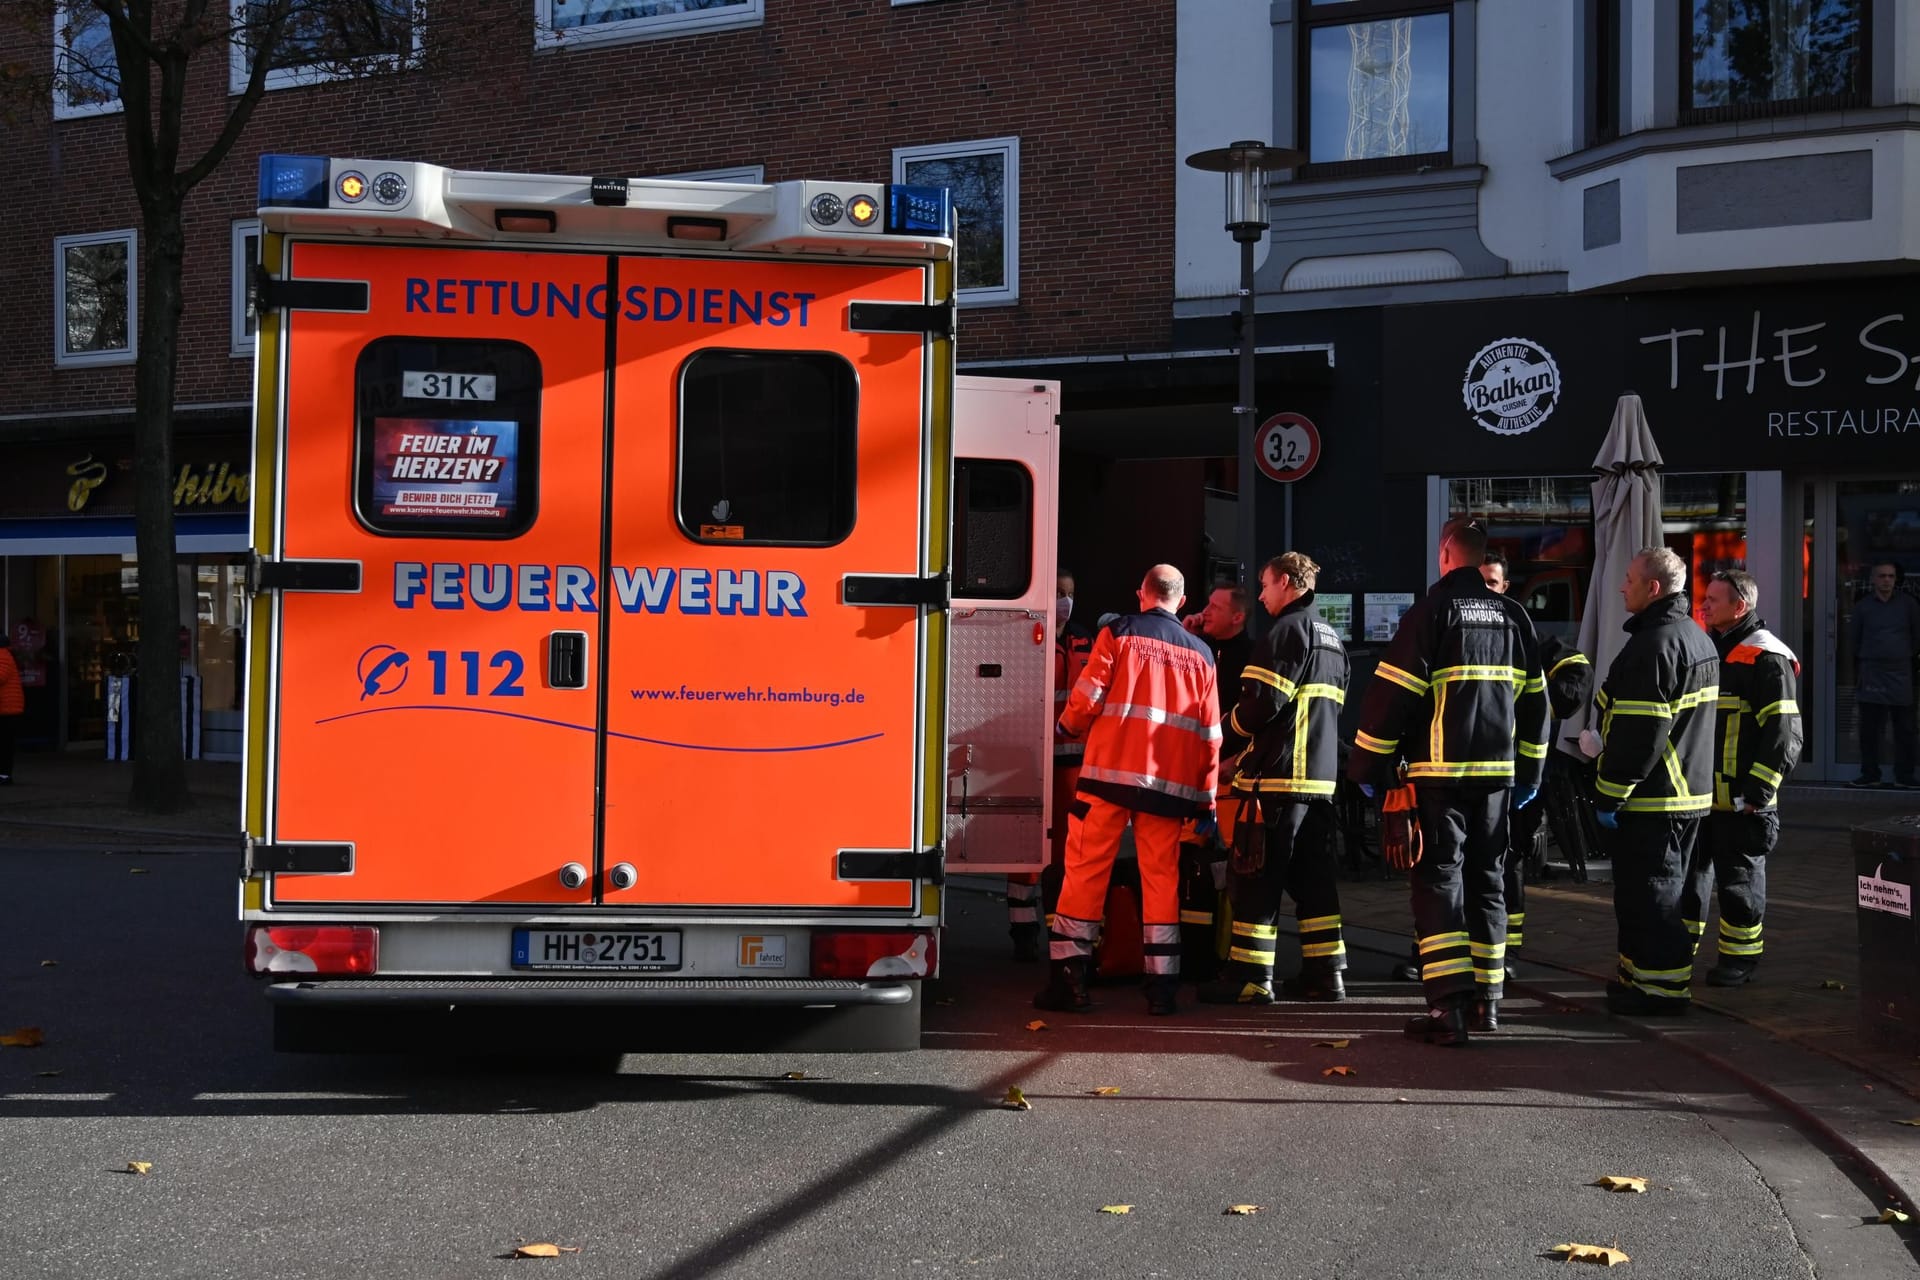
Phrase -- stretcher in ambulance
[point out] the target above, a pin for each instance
(600, 626)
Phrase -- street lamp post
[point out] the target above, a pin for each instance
(1248, 167)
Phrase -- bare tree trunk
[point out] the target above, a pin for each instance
(159, 769)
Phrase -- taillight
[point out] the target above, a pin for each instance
(873, 953)
(324, 950)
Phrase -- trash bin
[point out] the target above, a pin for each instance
(1886, 856)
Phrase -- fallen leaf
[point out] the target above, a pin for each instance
(1831, 985)
(944, 1000)
(1339, 1071)
(1403, 1099)
(49, 964)
(1106, 1091)
(1590, 1253)
(1036, 1025)
(23, 1038)
(544, 1250)
(136, 871)
(1867, 1087)
(1914, 1123)
(1240, 1210)
(1016, 1100)
(46, 1075)
(1331, 1044)
(1614, 1182)
(794, 1075)
(140, 1166)
(1892, 1215)
(1116, 1208)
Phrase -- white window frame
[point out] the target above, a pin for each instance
(63, 109)
(756, 174)
(238, 72)
(241, 342)
(65, 359)
(547, 36)
(1009, 150)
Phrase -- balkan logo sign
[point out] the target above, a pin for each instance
(1512, 386)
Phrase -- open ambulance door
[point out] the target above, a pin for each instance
(1000, 702)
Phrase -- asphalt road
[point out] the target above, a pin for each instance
(1428, 1162)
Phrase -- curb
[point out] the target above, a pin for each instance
(164, 833)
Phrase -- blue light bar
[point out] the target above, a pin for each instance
(917, 211)
(298, 182)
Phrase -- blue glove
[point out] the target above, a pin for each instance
(1207, 824)
(1523, 798)
(1366, 789)
(1608, 818)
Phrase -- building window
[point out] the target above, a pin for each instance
(94, 297)
(572, 22)
(992, 529)
(1604, 71)
(1376, 86)
(246, 252)
(86, 73)
(330, 40)
(768, 448)
(1747, 58)
(984, 181)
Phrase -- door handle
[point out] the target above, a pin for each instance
(567, 660)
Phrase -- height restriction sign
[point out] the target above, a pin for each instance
(1287, 447)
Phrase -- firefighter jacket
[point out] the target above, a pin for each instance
(1147, 705)
(1071, 645)
(1569, 677)
(1460, 694)
(1288, 704)
(1656, 715)
(1757, 731)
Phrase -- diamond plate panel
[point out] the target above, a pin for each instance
(1001, 715)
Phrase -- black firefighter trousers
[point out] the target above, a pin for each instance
(1300, 863)
(1651, 854)
(1459, 901)
(1731, 854)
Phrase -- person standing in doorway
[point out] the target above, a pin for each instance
(1756, 742)
(1886, 637)
(1149, 709)
(1654, 780)
(13, 705)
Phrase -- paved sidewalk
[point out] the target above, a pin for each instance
(1811, 931)
(81, 799)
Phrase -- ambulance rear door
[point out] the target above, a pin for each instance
(1000, 753)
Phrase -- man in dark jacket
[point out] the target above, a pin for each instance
(1460, 695)
(1756, 737)
(1569, 687)
(1285, 724)
(1885, 630)
(1655, 780)
(1223, 625)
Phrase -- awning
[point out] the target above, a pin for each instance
(114, 536)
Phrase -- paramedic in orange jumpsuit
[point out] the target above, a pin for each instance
(1149, 708)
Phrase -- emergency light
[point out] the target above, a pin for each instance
(918, 211)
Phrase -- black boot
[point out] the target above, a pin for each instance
(1240, 984)
(1486, 1016)
(1026, 941)
(1731, 972)
(1324, 986)
(1443, 1026)
(1163, 994)
(1066, 989)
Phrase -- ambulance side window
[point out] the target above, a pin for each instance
(446, 437)
(992, 529)
(767, 448)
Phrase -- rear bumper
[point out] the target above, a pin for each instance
(394, 993)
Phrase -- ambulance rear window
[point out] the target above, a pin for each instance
(992, 529)
(767, 448)
(446, 437)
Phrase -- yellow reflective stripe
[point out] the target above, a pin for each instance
(1196, 917)
(1245, 930)
(1445, 968)
(1732, 702)
(1742, 948)
(1405, 679)
(1730, 747)
(1706, 697)
(1379, 746)
(1665, 993)
(1273, 678)
(1287, 786)
(1568, 661)
(1233, 722)
(1614, 789)
(1319, 950)
(1333, 691)
(1740, 932)
(1670, 975)
(1490, 976)
(1461, 769)
(1658, 710)
(1536, 685)
(1317, 923)
(1436, 738)
(1245, 956)
(1668, 804)
(1532, 750)
(1302, 722)
(1441, 941)
(1765, 774)
(1695, 926)
(1675, 774)
(1505, 675)
(1488, 950)
(1784, 707)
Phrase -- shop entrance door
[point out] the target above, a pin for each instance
(1849, 526)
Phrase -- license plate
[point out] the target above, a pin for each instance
(634, 950)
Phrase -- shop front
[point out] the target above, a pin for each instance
(70, 581)
(1788, 418)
